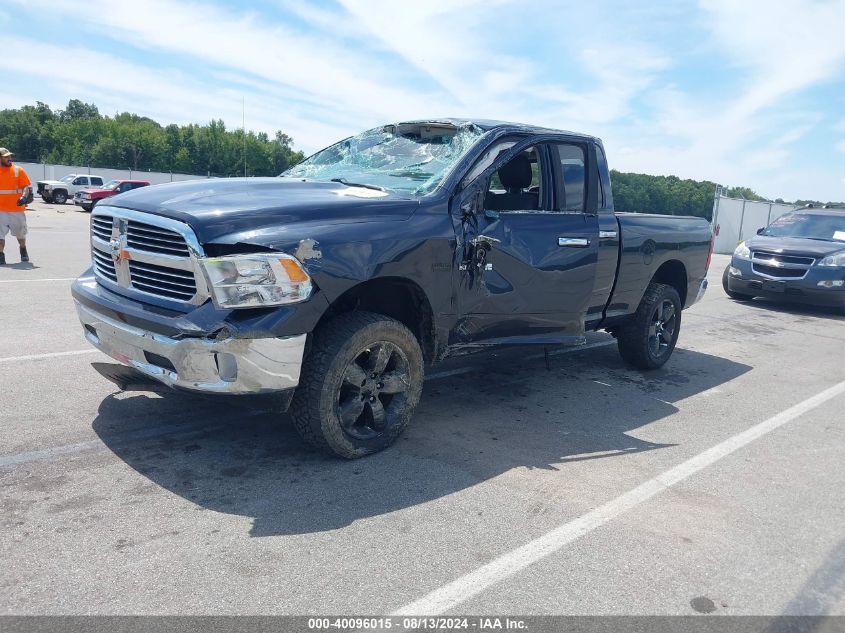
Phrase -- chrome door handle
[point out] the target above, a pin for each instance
(573, 242)
(608, 234)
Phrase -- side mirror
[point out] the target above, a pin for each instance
(760, 231)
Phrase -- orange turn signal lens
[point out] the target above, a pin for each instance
(294, 271)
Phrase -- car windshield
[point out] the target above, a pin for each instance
(815, 226)
(68, 179)
(406, 157)
(111, 184)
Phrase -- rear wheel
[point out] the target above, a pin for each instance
(648, 339)
(60, 197)
(361, 381)
(738, 296)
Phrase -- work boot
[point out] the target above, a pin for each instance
(2, 259)
(24, 255)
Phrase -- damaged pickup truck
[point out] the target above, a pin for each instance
(338, 283)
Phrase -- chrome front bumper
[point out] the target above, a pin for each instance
(232, 366)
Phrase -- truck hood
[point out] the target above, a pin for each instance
(220, 209)
(795, 246)
(51, 182)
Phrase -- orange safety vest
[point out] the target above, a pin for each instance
(13, 181)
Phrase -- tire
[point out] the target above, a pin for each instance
(648, 339)
(361, 381)
(47, 199)
(60, 197)
(737, 296)
(87, 207)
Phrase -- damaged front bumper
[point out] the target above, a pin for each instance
(226, 366)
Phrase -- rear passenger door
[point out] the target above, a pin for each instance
(531, 270)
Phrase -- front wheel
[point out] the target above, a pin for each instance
(60, 197)
(649, 339)
(361, 381)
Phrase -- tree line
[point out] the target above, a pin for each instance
(80, 135)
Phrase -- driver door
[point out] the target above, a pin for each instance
(529, 254)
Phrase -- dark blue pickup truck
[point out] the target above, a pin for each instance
(336, 284)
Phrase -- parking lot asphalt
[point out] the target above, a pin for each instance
(713, 485)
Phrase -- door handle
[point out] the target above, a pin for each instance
(608, 234)
(573, 242)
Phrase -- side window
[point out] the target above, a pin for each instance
(80, 180)
(96, 181)
(124, 187)
(572, 170)
(516, 185)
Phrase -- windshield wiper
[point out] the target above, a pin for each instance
(344, 181)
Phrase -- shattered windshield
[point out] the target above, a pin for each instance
(407, 157)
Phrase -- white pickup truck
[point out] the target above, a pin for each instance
(59, 191)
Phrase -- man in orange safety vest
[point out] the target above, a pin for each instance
(15, 190)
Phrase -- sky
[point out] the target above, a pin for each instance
(743, 92)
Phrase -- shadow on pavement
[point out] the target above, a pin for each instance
(797, 309)
(238, 456)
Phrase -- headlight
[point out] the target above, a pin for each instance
(254, 281)
(742, 251)
(837, 259)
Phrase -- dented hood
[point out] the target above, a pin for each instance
(219, 209)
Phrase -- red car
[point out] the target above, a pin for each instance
(87, 198)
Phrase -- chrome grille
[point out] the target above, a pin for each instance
(134, 252)
(155, 240)
(101, 226)
(104, 264)
(170, 282)
(779, 266)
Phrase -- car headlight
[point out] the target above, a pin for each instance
(255, 281)
(837, 259)
(742, 251)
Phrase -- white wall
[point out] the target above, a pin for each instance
(38, 171)
(738, 219)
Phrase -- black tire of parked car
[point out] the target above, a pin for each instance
(60, 197)
(87, 207)
(648, 339)
(361, 380)
(737, 296)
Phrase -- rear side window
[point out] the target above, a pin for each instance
(572, 164)
(96, 181)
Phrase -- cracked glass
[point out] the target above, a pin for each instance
(411, 158)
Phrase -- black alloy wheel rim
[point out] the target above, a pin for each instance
(373, 391)
(661, 331)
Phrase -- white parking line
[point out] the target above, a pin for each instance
(458, 591)
(18, 281)
(13, 359)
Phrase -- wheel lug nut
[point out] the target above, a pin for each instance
(380, 385)
(372, 398)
